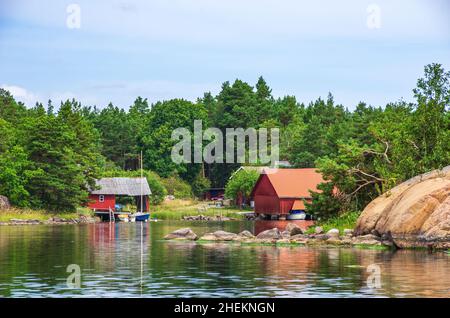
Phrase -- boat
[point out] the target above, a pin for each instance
(296, 216)
(123, 217)
(141, 217)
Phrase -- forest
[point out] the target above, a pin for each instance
(50, 156)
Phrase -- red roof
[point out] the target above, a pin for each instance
(294, 183)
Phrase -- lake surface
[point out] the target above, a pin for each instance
(132, 260)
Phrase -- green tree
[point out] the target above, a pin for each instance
(157, 141)
(242, 183)
(60, 184)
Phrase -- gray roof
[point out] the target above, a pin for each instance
(122, 186)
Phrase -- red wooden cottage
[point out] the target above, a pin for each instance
(104, 197)
(282, 191)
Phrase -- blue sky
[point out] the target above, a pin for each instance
(162, 49)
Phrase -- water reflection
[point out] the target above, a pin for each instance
(261, 225)
(131, 260)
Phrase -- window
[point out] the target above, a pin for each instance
(101, 198)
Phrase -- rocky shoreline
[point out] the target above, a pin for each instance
(292, 235)
(82, 219)
(207, 218)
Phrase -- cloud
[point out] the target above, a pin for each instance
(30, 98)
(21, 94)
(122, 94)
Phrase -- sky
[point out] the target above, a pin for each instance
(115, 50)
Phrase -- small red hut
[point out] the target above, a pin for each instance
(282, 191)
(104, 197)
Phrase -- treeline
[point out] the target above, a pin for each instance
(48, 159)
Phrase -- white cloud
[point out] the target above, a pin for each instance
(122, 94)
(30, 98)
(21, 94)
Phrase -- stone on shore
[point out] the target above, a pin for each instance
(24, 222)
(333, 233)
(318, 230)
(219, 236)
(294, 229)
(334, 240)
(368, 239)
(348, 232)
(273, 234)
(4, 203)
(182, 234)
(415, 213)
(299, 238)
(246, 235)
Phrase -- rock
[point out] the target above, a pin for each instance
(333, 233)
(17, 221)
(285, 234)
(315, 241)
(368, 239)
(416, 213)
(246, 235)
(346, 240)
(219, 236)
(388, 243)
(299, 238)
(294, 229)
(334, 240)
(270, 234)
(321, 237)
(182, 234)
(375, 233)
(318, 230)
(4, 203)
(348, 232)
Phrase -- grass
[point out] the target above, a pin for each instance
(168, 210)
(41, 215)
(176, 209)
(344, 221)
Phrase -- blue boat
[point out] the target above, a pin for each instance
(142, 217)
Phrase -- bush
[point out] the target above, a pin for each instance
(325, 204)
(199, 185)
(177, 187)
(344, 221)
(242, 182)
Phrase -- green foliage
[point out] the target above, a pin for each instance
(402, 141)
(325, 204)
(49, 159)
(346, 220)
(242, 182)
(199, 185)
(157, 143)
(177, 187)
(15, 174)
(60, 183)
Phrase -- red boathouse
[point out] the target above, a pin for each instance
(282, 191)
(104, 197)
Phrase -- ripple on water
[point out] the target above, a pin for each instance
(112, 266)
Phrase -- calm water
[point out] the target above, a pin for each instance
(127, 260)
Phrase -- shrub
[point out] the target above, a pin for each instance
(177, 187)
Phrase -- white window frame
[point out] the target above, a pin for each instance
(101, 198)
